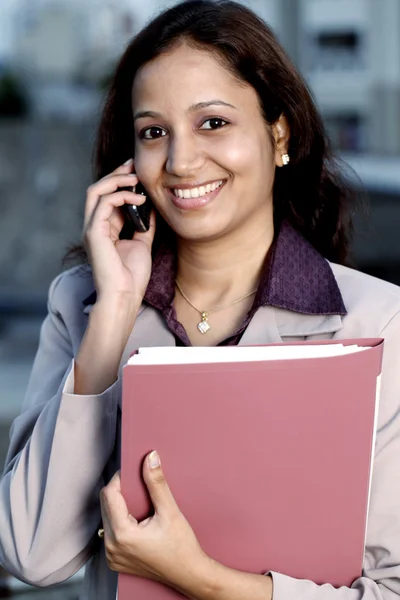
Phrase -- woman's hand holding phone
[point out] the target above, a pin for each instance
(121, 271)
(120, 266)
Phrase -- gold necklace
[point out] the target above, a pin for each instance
(204, 325)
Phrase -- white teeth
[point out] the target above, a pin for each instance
(197, 192)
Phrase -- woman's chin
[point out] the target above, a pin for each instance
(199, 229)
(199, 235)
(203, 232)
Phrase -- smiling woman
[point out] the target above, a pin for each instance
(248, 240)
(204, 144)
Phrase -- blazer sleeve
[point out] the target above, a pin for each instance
(59, 446)
(381, 570)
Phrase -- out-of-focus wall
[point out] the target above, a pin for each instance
(349, 52)
(44, 173)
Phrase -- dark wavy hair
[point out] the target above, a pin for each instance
(312, 193)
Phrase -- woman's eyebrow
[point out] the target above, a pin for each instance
(192, 108)
(201, 105)
(146, 113)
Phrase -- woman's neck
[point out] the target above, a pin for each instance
(220, 271)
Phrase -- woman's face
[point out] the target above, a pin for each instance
(202, 148)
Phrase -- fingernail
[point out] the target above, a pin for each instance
(128, 162)
(154, 460)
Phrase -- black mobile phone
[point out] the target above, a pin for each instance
(137, 218)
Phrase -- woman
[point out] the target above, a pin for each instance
(227, 142)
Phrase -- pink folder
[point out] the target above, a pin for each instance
(269, 461)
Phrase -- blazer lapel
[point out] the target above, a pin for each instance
(262, 329)
(149, 330)
(292, 324)
(272, 325)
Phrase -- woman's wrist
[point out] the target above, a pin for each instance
(110, 324)
(214, 581)
(200, 581)
(124, 305)
(111, 321)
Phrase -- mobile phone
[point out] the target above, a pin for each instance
(137, 218)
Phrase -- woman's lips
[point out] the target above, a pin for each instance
(193, 203)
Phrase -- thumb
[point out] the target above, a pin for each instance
(160, 494)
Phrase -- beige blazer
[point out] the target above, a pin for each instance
(65, 447)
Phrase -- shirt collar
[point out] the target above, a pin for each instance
(295, 277)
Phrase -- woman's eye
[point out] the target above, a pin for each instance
(152, 133)
(214, 123)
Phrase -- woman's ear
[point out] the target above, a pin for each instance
(281, 133)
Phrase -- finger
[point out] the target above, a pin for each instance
(116, 222)
(160, 494)
(116, 517)
(106, 186)
(107, 204)
(106, 524)
(126, 167)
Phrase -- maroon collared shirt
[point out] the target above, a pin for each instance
(295, 277)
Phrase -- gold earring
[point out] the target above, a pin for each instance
(285, 159)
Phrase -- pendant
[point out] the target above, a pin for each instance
(204, 325)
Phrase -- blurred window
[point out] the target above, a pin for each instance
(347, 41)
(336, 50)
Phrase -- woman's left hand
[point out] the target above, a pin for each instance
(163, 547)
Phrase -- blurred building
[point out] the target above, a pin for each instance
(349, 53)
(348, 50)
(63, 50)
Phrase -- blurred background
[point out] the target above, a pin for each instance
(56, 57)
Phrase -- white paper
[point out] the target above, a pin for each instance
(376, 414)
(222, 354)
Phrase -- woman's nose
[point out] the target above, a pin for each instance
(184, 156)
